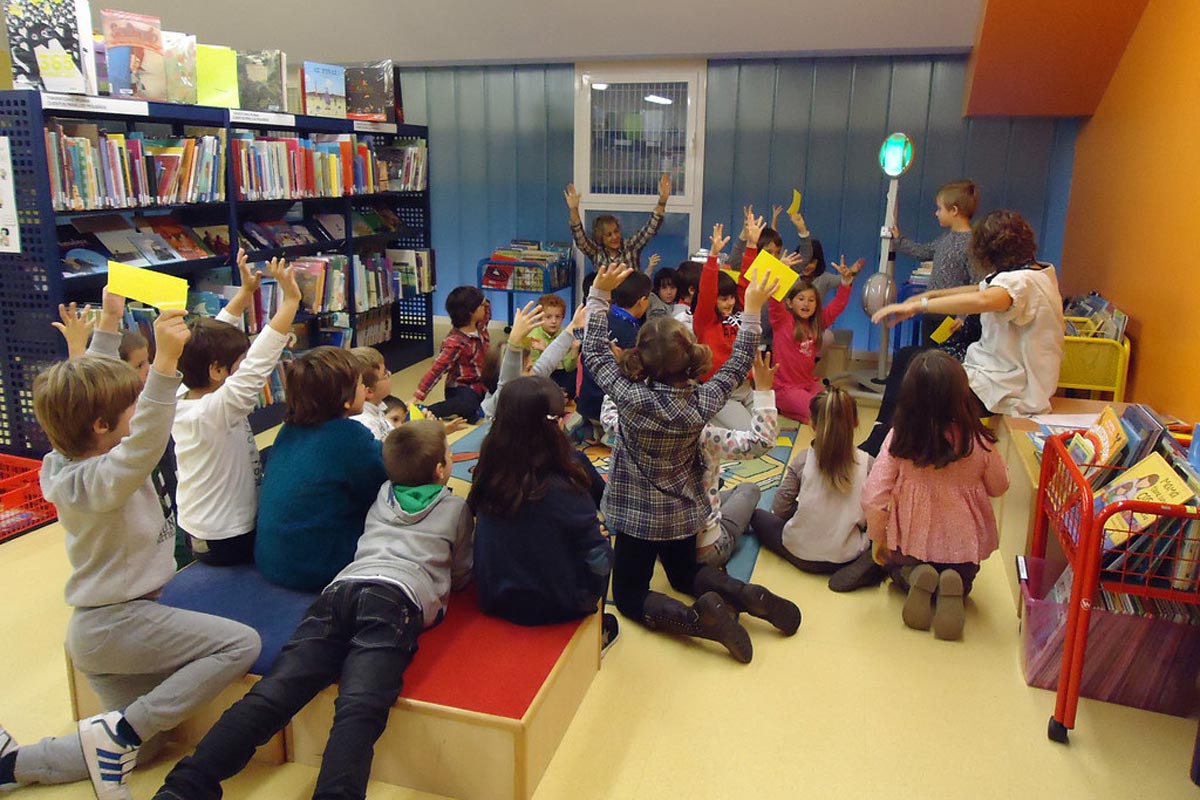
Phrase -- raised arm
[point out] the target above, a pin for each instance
(963, 300)
(597, 349)
(840, 300)
(524, 320)
(714, 393)
(106, 340)
(705, 314)
(917, 250)
(582, 241)
(647, 231)
(75, 325)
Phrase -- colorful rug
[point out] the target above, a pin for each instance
(766, 472)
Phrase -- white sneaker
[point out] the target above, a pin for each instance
(109, 758)
(7, 745)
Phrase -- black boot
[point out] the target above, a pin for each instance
(708, 618)
(859, 573)
(758, 601)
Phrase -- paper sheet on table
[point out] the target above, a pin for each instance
(795, 206)
(152, 288)
(775, 268)
(943, 331)
(1075, 421)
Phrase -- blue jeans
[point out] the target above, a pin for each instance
(360, 633)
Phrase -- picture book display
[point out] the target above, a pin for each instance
(134, 52)
(1151, 480)
(1098, 447)
(51, 46)
(324, 89)
(216, 76)
(179, 56)
(261, 80)
(369, 94)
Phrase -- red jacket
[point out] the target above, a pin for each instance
(710, 329)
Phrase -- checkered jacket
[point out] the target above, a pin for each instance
(631, 248)
(461, 360)
(656, 476)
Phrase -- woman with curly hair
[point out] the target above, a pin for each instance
(1013, 368)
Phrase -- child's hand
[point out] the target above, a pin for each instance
(664, 189)
(76, 326)
(251, 280)
(798, 220)
(536, 344)
(848, 273)
(775, 212)
(610, 276)
(580, 319)
(747, 215)
(655, 260)
(171, 333)
(719, 239)
(112, 310)
(285, 275)
(763, 371)
(763, 286)
(957, 324)
(754, 229)
(525, 320)
(452, 424)
(895, 232)
(895, 313)
(791, 259)
(572, 197)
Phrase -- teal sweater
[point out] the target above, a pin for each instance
(318, 485)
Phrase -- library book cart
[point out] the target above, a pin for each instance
(1136, 606)
(34, 281)
(528, 277)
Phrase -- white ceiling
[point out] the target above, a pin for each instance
(437, 32)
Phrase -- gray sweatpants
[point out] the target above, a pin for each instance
(737, 413)
(737, 506)
(157, 664)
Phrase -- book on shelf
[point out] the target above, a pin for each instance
(51, 45)
(134, 53)
(114, 232)
(179, 58)
(323, 87)
(283, 234)
(154, 248)
(373, 281)
(100, 56)
(1143, 430)
(1151, 480)
(1098, 448)
(80, 253)
(369, 93)
(257, 234)
(403, 166)
(216, 76)
(1094, 316)
(261, 80)
(333, 224)
(303, 233)
(180, 237)
(214, 238)
(398, 95)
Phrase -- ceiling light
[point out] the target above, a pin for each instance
(662, 101)
(599, 87)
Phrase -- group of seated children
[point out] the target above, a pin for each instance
(354, 503)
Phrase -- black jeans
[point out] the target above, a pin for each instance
(360, 633)
(461, 401)
(223, 552)
(633, 567)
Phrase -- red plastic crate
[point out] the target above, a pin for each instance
(22, 507)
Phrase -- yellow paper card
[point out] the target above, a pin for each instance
(776, 269)
(795, 206)
(733, 273)
(152, 288)
(943, 331)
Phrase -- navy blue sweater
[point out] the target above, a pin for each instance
(623, 332)
(548, 563)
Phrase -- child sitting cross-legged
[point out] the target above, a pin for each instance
(323, 474)
(554, 310)
(152, 666)
(461, 357)
(218, 462)
(361, 632)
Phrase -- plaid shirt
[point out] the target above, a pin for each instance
(631, 248)
(656, 476)
(461, 358)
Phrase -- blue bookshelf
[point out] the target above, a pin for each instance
(32, 283)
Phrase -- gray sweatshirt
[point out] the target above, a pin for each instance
(426, 552)
(119, 544)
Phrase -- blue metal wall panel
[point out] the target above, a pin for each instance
(829, 118)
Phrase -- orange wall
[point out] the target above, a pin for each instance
(1046, 57)
(1135, 205)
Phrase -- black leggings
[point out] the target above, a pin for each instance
(461, 401)
(634, 566)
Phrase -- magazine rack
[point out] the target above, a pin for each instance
(1065, 509)
(533, 277)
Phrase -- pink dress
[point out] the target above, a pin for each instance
(796, 382)
(936, 515)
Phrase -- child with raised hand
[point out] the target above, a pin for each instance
(800, 322)
(151, 665)
(562, 370)
(955, 206)
(654, 504)
(461, 357)
(730, 509)
(816, 522)
(539, 554)
(219, 468)
(361, 632)
(606, 245)
(927, 497)
(324, 473)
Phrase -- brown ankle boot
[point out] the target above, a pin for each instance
(709, 618)
(755, 600)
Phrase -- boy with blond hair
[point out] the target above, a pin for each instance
(554, 311)
(220, 473)
(378, 380)
(153, 666)
(362, 632)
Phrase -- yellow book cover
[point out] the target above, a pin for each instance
(1151, 480)
(216, 76)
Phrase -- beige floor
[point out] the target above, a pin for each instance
(855, 705)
